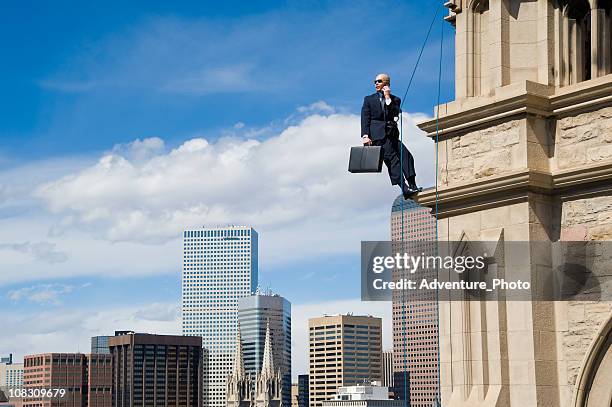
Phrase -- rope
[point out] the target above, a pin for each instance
(439, 396)
(404, 321)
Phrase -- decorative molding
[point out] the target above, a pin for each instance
(513, 187)
(519, 100)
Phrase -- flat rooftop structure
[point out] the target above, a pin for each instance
(152, 339)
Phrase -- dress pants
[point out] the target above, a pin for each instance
(391, 157)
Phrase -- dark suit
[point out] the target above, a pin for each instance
(378, 122)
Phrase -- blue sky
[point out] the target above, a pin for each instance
(79, 78)
(122, 124)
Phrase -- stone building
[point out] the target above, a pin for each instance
(525, 154)
(238, 392)
(268, 391)
(269, 383)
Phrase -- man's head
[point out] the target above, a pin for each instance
(382, 79)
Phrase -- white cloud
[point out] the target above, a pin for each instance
(302, 312)
(124, 214)
(225, 79)
(140, 150)
(42, 251)
(293, 179)
(317, 107)
(70, 330)
(42, 293)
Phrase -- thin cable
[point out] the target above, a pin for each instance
(439, 395)
(419, 57)
(402, 186)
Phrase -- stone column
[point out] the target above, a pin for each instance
(576, 70)
(499, 45)
(462, 57)
(598, 17)
(546, 42)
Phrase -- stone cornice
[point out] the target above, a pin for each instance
(514, 186)
(519, 100)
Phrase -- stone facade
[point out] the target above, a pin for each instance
(268, 387)
(525, 154)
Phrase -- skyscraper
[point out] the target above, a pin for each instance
(387, 368)
(415, 314)
(303, 390)
(219, 267)
(11, 374)
(155, 370)
(344, 350)
(254, 313)
(99, 380)
(56, 370)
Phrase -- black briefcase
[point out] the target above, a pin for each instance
(365, 159)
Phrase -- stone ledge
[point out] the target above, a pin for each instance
(512, 187)
(518, 100)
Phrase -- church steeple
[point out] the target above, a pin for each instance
(268, 385)
(239, 386)
(238, 371)
(267, 368)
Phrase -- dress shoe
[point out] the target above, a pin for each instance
(409, 192)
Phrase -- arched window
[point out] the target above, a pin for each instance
(602, 52)
(585, 38)
(480, 41)
(578, 14)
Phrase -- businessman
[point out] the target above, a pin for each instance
(379, 115)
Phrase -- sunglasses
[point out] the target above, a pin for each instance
(378, 81)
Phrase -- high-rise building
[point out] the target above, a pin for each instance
(156, 370)
(303, 400)
(387, 368)
(415, 314)
(99, 371)
(99, 345)
(344, 350)
(66, 371)
(11, 374)
(85, 378)
(219, 266)
(255, 312)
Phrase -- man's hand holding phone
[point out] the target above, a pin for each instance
(387, 91)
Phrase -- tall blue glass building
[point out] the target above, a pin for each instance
(254, 313)
(219, 268)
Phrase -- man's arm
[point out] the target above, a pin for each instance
(393, 108)
(366, 119)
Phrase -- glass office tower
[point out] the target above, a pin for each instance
(99, 345)
(415, 314)
(219, 267)
(254, 313)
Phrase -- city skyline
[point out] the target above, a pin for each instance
(71, 264)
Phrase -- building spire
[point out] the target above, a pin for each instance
(238, 371)
(267, 368)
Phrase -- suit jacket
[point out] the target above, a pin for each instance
(375, 115)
